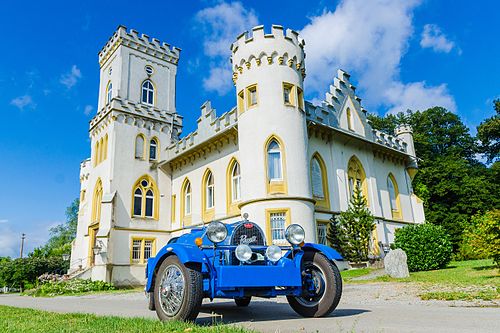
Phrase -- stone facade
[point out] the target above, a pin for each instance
(274, 156)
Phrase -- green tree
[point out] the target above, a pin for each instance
(488, 133)
(482, 237)
(354, 228)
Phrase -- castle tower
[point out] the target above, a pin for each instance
(405, 133)
(268, 72)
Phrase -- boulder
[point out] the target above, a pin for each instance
(396, 265)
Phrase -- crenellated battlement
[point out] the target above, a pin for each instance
(402, 129)
(281, 47)
(142, 42)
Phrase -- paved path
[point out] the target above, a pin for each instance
(359, 311)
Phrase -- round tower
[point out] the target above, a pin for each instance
(405, 133)
(268, 72)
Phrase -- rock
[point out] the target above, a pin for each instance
(395, 264)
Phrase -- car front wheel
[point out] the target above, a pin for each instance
(321, 287)
(178, 291)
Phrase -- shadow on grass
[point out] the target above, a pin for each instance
(483, 268)
(258, 311)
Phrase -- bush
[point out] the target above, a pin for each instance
(427, 246)
(69, 287)
(22, 271)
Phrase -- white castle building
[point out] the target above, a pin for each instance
(274, 156)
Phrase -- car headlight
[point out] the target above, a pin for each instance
(295, 234)
(216, 232)
(243, 252)
(273, 253)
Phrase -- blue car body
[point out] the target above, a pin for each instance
(225, 277)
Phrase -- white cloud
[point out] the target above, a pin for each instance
(4, 221)
(368, 39)
(71, 78)
(22, 102)
(88, 109)
(9, 242)
(433, 37)
(220, 25)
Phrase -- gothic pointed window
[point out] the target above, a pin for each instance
(153, 148)
(357, 177)
(139, 147)
(138, 202)
(317, 179)
(236, 182)
(186, 202)
(109, 92)
(145, 198)
(148, 92)
(392, 188)
(274, 161)
(210, 189)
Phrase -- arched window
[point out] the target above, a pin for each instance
(186, 202)
(153, 148)
(145, 198)
(105, 147)
(96, 202)
(139, 146)
(233, 187)
(392, 188)
(101, 150)
(319, 181)
(148, 92)
(209, 188)
(109, 92)
(274, 170)
(349, 118)
(357, 177)
(96, 153)
(236, 182)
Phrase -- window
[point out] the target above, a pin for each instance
(139, 146)
(235, 182)
(252, 95)
(278, 220)
(172, 208)
(233, 187)
(153, 148)
(149, 70)
(349, 118)
(241, 102)
(392, 188)
(142, 249)
(105, 147)
(288, 94)
(186, 202)
(145, 198)
(148, 91)
(356, 177)
(109, 93)
(319, 182)
(300, 98)
(274, 161)
(321, 228)
(96, 202)
(210, 191)
(208, 196)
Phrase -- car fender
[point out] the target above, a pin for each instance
(186, 254)
(328, 252)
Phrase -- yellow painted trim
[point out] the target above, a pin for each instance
(156, 198)
(141, 230)
(293, 91)
(186, 219)
(172, 209)
(321, 202)
(92, 231)
(142, 261)
(349, 119)
(231, 206)
(375, 248)
(106, 100)
(95, 215)
(276, 186)
(396, 213)
(355, 164)
(300, 98)
(154, 92)
(275, 198)
(248, 90)
(157, 148)
(268, 222)
(240, 101)
(144, 143)
(207, 214)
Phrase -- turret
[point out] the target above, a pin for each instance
(405, 133)
(268, 72)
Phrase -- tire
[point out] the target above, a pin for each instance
(243, 301)
(178, 291)
(327, 287)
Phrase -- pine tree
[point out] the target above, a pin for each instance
(351, 231)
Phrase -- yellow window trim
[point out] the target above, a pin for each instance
(268, 222)
(154, 138)
(143, 240)
(293, 92)
(231, 206)
(95, 215)
(172, 209)
(300, 98)
(144, 148)
(276, 186)
(185, 219)
(240, 102)
(156, 198)
(207, 214)
(106, 101)
(396, 213)
(248, 90)
(353, 166)
(321, 202)
(349, 119)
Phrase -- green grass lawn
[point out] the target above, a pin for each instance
(461, 280)
(29, 320)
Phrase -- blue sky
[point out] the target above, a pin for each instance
(401, 54)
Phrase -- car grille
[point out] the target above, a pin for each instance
(247, 233)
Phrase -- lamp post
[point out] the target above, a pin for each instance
(65, 257)
(23, 237)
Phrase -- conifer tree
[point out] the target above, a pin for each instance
(351, 231)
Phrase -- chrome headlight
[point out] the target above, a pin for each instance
(273, 253)
(295, 234)
(243, 252)
(216, 232)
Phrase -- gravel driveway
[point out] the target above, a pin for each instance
(382, 307)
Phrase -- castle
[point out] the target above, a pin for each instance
(274, 155)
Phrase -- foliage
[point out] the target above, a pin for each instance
(452, 183)
(426, 246)
(25, 271)
(350, 234)
(488, 133)
(69, 287)
(485, 295)
(29, 320)
(482, 237)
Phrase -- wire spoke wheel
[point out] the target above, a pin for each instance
(171, 291)
(314, 285)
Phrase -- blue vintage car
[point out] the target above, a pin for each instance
(232, 261)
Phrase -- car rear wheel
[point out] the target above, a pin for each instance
(178, 291)
(321, 287)
(243, 301)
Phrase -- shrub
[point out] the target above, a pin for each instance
(427, 246)
(482, 237)
(69, 287)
